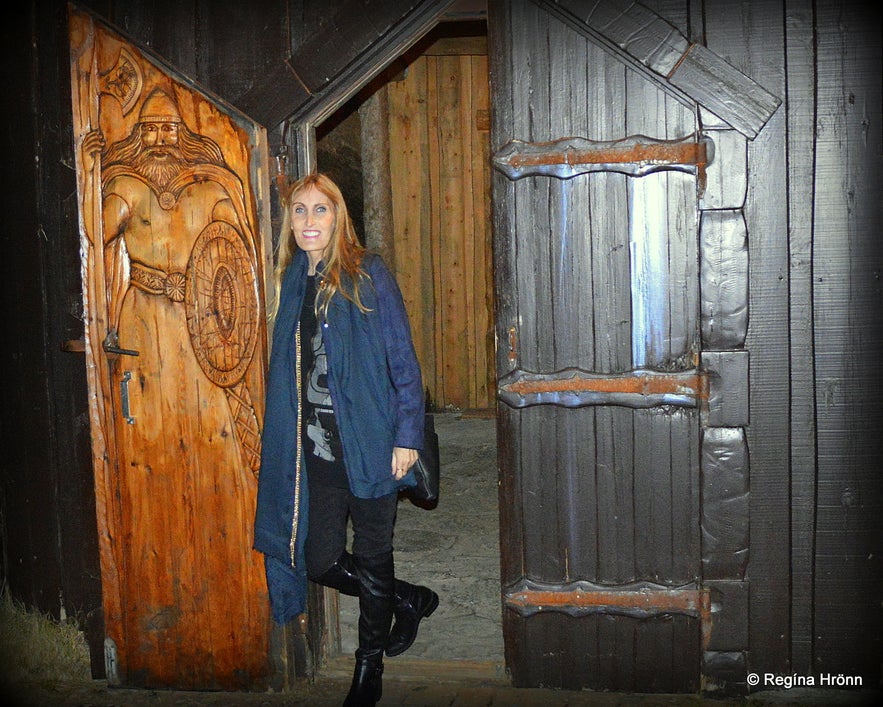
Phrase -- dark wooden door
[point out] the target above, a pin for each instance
(597, 292)
(173, 261)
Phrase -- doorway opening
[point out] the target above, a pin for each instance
(411, 154)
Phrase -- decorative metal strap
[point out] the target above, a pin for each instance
(637, 599)
(573, 387)
(636, 156)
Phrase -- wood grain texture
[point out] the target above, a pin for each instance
(606, 494)
(173, 265)
(440, 208)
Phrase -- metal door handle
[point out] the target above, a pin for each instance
(124, 397)
(110, 348)
(111, 345)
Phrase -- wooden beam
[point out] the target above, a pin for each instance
(458, 46)
(648, 41)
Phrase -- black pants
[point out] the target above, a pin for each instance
(330, 507)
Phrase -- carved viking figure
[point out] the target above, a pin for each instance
(178, 248)
(183, 325)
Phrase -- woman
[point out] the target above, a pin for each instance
(342, 426)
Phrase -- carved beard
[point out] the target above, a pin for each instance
(159, 170)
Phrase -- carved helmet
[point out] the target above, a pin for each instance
(159, 108)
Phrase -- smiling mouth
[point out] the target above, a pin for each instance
(310, 234)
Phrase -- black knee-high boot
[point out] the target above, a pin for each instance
(341, 576)
(412, 602)
(376, 574)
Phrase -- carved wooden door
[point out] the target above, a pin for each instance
(173, 261)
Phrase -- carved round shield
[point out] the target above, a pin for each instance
(221, 303)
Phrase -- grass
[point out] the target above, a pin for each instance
(36, 648)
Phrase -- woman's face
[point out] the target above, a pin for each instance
(312, 220)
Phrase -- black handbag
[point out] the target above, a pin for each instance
(426, 468)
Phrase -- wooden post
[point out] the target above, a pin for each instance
(377, 189)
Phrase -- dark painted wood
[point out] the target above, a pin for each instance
(802, 115)
(848, 337)
(168, 27)
(355, 26)
(751, 49)
(650, 40)
(49, 535)
(596, 497)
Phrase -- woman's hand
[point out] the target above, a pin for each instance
(402, 460)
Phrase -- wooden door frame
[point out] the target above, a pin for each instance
(301, 143)
(684, 71)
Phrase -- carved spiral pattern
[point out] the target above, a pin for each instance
(221, 302)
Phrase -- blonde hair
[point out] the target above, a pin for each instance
(343, 260)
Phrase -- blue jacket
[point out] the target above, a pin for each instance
(376, 390)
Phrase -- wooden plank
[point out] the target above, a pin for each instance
(685, 482)
(469, 204)
(723, 246)
(728, 389)
(727, 176)
(656, 480)
(713, 83)
(754, 45)
(504, 119)
(634, 31)
(802, 116)
(608, 270)
(170, 29)
(355, 28)
(683, 285)
(649, 240)
(335, 71)
(275, 94)
(457, 46)
(571, 246)
(683, 191)
(482, 314)
(409, 161)
(848, 336)
(577, 495)
(449, 231)
(543, 558)
(725, 503)
(729, 629)
(235, 43)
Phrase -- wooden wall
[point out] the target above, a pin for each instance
(440, 176)
(815, 336)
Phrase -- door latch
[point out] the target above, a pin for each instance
(111, 345)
